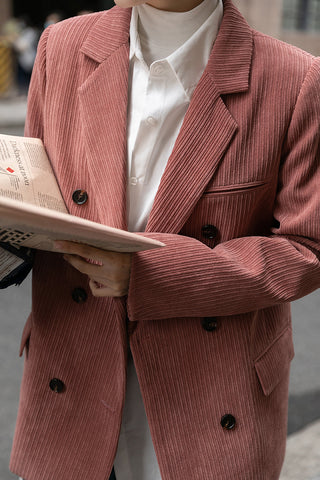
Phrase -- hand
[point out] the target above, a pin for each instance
(109, 272)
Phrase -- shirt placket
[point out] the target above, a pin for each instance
(151, 120)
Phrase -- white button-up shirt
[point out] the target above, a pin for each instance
(160, 94)
(168, 54)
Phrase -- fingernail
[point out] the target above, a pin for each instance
(58, 245)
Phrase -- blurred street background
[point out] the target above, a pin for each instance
(21, 23)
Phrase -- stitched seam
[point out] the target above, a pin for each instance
(271, 345)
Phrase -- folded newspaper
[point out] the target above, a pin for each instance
(33, 213)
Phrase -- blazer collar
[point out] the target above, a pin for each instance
(230, 60)
(108, 34)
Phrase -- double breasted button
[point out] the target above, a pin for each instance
(56, 385)
(79, 295)
(209, 231)
(210, 324)
(228, 422)
(80, 197)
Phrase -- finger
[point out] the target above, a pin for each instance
(99, 290)
(118, 286)
(81, 249)
(83, 265)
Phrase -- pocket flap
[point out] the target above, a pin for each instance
(274, 363)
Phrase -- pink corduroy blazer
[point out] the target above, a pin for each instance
(208, 315)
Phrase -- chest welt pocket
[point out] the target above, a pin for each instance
(236, 210)
(274, 363)
(235, 188)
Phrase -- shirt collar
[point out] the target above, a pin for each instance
(188, 61)
(135, 46)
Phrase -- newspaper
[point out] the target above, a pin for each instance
(8, 263)
(26, 174)
(33, 213)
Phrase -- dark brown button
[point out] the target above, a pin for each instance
(79, 295)
(209, 231)
(210, 324)
(228, 422)
(56, 385)
(79, 197)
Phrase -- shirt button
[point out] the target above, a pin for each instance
(56, 385)
(133, 180)
(151, 121)
(228, 422)
(157, 70)
(80, 197)
(79, 295)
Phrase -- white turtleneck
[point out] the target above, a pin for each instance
(161, 32)
(168, 54)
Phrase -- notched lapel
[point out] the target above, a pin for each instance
(103, 111)
(103, 107)
(208, 127)
(206, 132)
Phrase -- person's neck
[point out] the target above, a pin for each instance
(174, 5)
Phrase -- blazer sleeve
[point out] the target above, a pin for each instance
(37, 91)
(33, 128)
(186, 278)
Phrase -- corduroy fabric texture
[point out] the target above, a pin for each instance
(247, 162)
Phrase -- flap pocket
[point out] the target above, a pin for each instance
(25, 335)
(274, 363)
